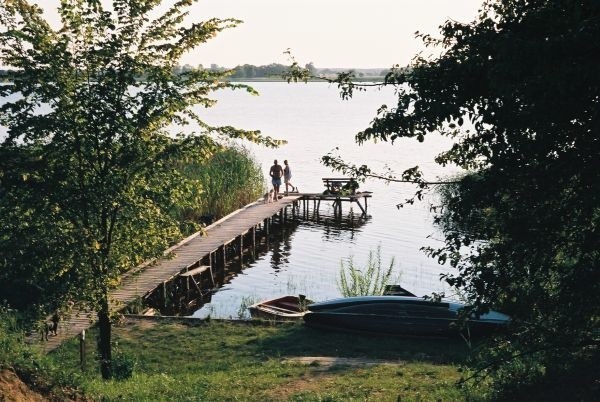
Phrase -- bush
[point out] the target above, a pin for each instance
(371, 281)
(12, 346)
(122, 366)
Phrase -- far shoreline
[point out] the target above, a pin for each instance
(271, 79)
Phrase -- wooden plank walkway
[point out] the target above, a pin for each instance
(186, 253)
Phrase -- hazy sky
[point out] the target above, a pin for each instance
(329, 33)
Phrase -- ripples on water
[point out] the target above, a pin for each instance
(314, 120)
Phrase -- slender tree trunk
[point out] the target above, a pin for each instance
(104, 346)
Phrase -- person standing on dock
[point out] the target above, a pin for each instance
(287, 177)
(276, 172)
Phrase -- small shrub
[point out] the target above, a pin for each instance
(370, 281)
(122, 366)
(246, 302)
(136, 306)
(12, 346)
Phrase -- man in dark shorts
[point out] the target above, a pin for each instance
(276, 172)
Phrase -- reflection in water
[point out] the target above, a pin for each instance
(314, 124)
(276, 257)
(187, 294)
(277, 271)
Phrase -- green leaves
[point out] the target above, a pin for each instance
(88, 171)
(369, 281)
(518, 92)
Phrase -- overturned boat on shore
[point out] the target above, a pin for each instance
(402, 315)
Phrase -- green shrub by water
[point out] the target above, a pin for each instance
(227, 180)
(369, 281)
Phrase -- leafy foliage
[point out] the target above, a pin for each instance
(370, 281)
(518, 91)
(12, 347)
(88, 171)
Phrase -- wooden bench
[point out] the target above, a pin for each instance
(189, 275)
(335, 185)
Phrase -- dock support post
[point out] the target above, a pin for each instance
(363, 210)
(82, 350)
(223, 261)
(224, 256)
(187, 280)
(211, 263)
(241, 245)
(253, 241)
(337, 207)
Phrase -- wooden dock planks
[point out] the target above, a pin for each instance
(185, 254)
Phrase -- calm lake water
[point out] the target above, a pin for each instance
(314, 120)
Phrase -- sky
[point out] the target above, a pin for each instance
(328, 33)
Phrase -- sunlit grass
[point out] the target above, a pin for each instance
(246, 361)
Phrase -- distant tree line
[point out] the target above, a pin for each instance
(273, 71)
(276, 70)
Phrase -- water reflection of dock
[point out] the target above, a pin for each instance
(197, 264)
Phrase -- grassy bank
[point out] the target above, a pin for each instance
(218, 360)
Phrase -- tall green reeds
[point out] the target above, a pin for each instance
(225, 181)
(369, 281)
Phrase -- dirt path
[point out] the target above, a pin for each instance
(326, 362)
(318, 375)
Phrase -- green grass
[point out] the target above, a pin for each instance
(218, 360)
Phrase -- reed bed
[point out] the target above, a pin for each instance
(225, 181)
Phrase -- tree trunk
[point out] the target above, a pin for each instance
(104, 347)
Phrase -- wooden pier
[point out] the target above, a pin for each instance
(232, 237)
(360, 199)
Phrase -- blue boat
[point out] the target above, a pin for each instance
(402, 315)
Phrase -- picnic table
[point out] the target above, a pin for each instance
(341, 189)
(337, 185)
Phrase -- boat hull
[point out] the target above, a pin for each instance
(400, 315)
(397, 326)
(287, 308)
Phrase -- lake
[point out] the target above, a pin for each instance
(314, 120)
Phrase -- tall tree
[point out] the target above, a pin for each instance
(87, 170)
(518, 90)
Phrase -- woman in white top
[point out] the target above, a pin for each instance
(287, 176)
